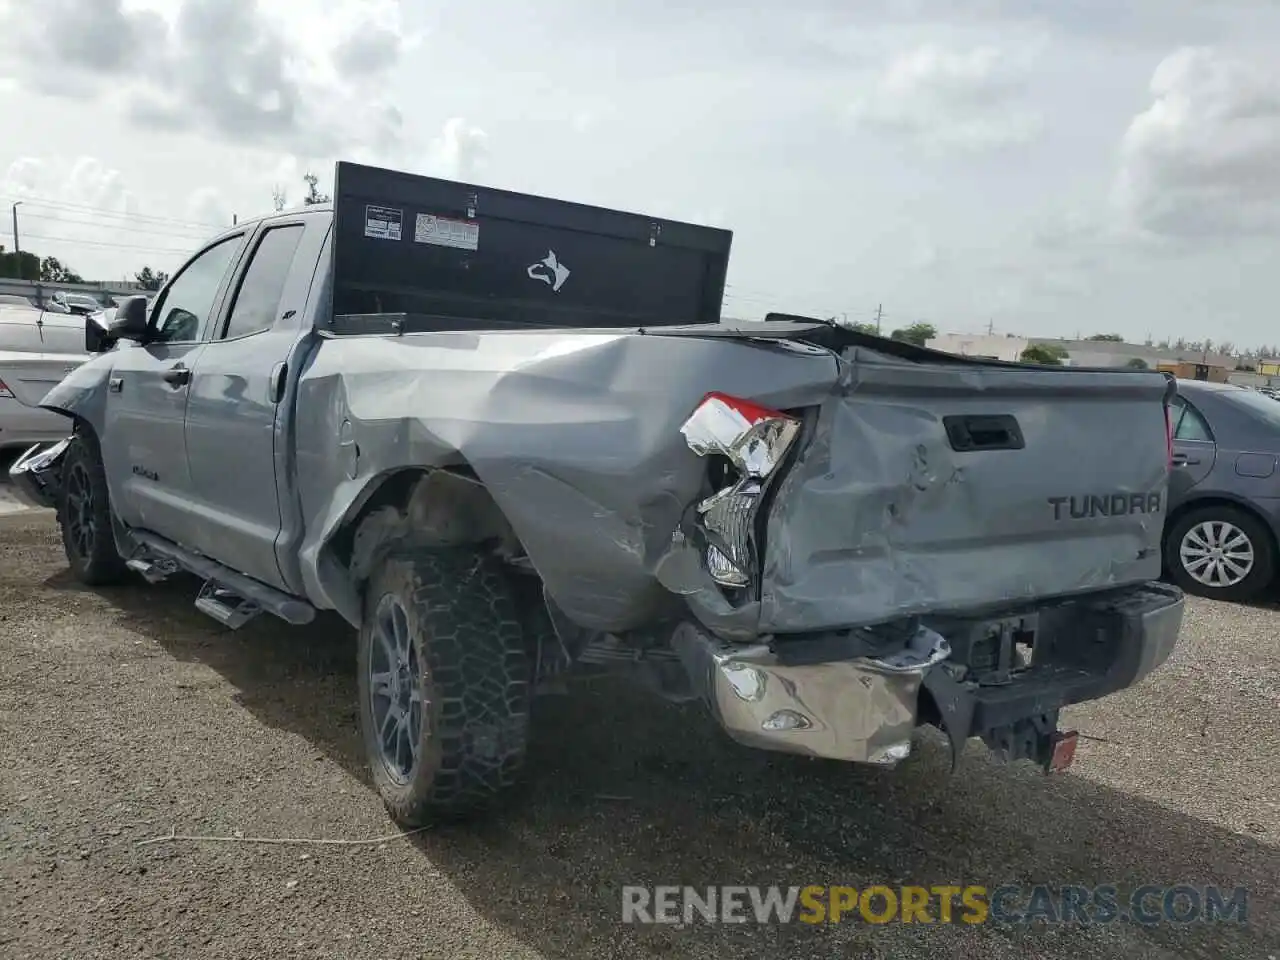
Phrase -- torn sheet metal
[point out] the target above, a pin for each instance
(576, 437)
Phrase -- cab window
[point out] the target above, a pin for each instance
(182, 313)
(258, 300)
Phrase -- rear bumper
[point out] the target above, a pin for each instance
(865, 708)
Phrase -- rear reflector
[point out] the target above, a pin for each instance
(1064, 750)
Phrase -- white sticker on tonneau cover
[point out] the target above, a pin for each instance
(444, 232)
(383, 223)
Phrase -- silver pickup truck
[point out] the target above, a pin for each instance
(509, 438)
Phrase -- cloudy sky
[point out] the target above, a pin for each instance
(1046, 166)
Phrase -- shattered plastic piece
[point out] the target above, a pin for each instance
(754, 438)
(924, 650)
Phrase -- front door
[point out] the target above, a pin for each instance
(143, 442)
(233, 431)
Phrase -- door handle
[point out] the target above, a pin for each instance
(279, 373)
(177, 376)
(1182, 460)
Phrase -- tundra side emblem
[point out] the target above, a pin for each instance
(550, 271)
(1092, 505)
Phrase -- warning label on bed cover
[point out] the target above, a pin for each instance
(384, 223)
(444, 232)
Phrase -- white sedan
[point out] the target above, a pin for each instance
(37, 349)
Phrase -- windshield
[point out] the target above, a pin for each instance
(1258, 405)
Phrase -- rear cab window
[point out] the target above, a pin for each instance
(258, 299)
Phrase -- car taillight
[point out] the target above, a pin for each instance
(754, 439)
(5, 392)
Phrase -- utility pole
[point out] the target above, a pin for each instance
(991, 327)
(879, 314)
(234, 220)
(17, 245)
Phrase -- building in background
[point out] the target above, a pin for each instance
(1080, 353)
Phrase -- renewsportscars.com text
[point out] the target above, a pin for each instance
(971, 904)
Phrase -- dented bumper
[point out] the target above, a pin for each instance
(808, 695)
(861, 709)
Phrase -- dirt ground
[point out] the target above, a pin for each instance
(126, 715)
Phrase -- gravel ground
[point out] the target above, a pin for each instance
(127, 715)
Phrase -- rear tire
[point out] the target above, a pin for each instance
(1220, 552)
(84, 515)
(444, 684)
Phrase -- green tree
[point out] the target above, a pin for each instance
(19, 266)
(1137, 363)
(53, 271)
(1046, 354)
(918, 333)
(314, 195)
(868, 328)
(150, 279)
(1109, 337)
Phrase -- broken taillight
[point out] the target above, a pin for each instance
(5, 392)
(754, 439)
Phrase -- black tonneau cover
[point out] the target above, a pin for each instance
(419, 245)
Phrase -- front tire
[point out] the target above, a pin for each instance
(1220, 552)
(84, 515)
(444, 684)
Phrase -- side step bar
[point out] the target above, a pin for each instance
(230, 598)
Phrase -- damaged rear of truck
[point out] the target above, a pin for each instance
(509, 439)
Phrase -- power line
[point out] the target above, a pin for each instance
(106, 211)
(113, 226)
(107, 243)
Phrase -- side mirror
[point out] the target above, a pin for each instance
(130, 322)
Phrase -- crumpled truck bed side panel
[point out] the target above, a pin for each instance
(576, 436)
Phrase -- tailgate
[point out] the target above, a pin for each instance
(30, 376)
(940, 488)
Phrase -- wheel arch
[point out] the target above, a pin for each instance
(412, 507)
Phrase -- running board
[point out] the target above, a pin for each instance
(225, 592)
(227, 607)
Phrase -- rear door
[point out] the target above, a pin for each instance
(1194, 449)
(234, 423)
(144, 447)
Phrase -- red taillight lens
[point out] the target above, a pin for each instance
(754, 438)
(5, 392)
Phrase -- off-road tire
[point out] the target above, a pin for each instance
(101, 564)
(1260, 576)
(475, 689)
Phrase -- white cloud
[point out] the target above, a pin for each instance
(951, 98)
(307, 79)
(1204, 158)
(459, 151)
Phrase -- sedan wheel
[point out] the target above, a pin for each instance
(1217, 554)
(1221, 552)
